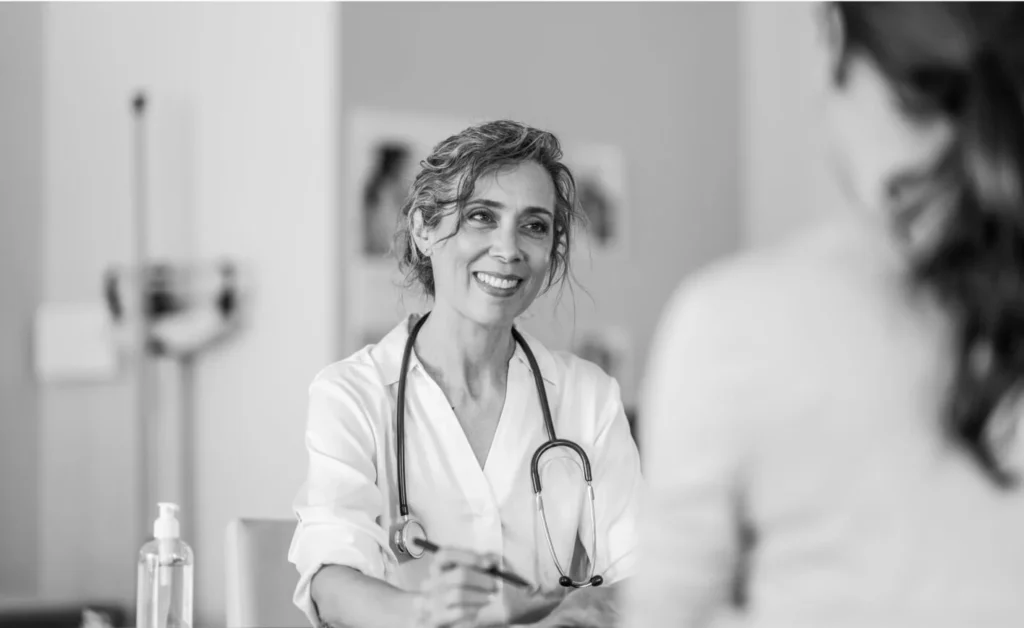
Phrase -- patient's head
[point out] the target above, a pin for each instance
(927, 95)
(928, 113)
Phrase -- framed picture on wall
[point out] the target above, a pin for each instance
(383, 151)
(382, 190)
(600, 173)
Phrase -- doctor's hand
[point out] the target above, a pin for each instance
(527, 607)
(455, 591)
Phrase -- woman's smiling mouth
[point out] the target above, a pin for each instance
(497, 285)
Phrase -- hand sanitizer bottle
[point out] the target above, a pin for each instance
(164, 595)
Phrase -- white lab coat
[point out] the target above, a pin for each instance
(350, 497)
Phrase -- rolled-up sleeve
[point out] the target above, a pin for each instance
(617, 484)
(339, 503)
(696, 395)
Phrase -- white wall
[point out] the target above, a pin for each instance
(243, 161)
(658, 80)
(786, 180)
(21, 132)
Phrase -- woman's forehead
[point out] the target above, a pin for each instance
(516, 186)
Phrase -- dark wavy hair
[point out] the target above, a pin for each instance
(449, 174)
(965, 60)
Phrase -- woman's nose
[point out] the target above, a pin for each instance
(505, 244)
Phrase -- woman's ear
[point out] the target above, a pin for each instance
(422, 236)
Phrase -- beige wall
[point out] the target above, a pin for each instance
(659, 80)
(21, 129)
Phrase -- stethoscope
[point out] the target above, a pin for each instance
(408, 528)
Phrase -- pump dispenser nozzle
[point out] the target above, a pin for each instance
(166, 525)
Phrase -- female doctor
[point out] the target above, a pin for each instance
(433, 431)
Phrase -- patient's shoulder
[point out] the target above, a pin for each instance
(818, 272)
(785, 302)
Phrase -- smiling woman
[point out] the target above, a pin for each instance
(476, 411)
(491, 259)
(453, 178)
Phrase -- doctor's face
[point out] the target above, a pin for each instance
(496, 259)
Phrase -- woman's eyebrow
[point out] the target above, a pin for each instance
(486, 202)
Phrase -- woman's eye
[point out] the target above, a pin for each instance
(482, 217)
(539, 228)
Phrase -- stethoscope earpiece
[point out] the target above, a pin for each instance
(567, 582)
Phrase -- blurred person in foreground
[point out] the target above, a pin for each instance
(834, 422)
(487, 226)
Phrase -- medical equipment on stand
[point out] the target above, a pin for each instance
(406, 532)
(168, 313)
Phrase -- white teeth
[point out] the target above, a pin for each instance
(502, 284)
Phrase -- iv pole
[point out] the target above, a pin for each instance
(144, 380)
(172, 324)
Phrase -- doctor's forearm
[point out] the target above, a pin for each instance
(592, 607)
(346, 598)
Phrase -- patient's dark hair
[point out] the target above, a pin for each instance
(966, 61)
(449, 174)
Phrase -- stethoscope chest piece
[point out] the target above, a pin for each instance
(403, 532)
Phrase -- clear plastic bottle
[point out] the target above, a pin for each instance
(164, 594)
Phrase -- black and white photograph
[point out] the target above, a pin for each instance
(600, 174)
(384, 189)
(385, 148)
(772, 336)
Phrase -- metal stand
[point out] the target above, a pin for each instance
(172, 319)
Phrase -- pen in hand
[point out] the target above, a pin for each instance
(493, 570)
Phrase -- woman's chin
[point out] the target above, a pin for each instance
(490, 312)
(495, 316)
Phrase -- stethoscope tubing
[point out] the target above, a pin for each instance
(552, 442)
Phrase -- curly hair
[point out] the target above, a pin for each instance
(966, 61)
(449, 174)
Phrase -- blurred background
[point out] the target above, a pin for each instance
(265, 127)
